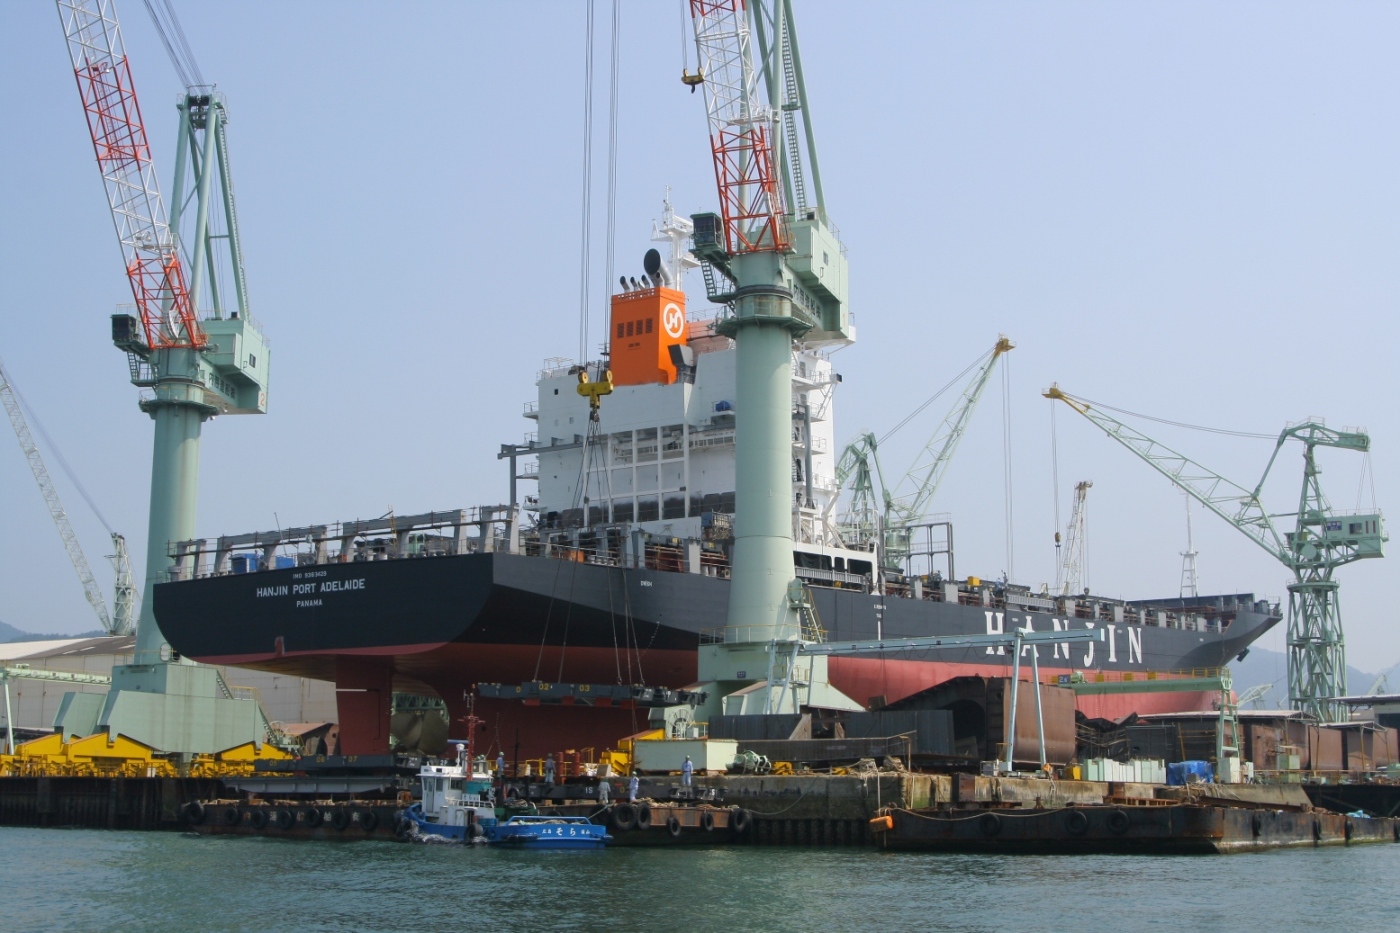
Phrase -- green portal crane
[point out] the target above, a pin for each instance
(193, 348)
(784, 280)
(1321, 541)
(906, 503)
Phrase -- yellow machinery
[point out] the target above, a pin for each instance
(101, 755)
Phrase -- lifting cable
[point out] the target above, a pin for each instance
(1055, 484)
(1006, 466)
(587, 210)
(172, 36)
(1178, 424)
(956, 380)
(612, 155)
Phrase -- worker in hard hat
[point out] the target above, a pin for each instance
(687, 771)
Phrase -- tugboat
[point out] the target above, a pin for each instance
(459, 805)
(458, 802)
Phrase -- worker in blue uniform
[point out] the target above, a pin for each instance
(549, 768)
(687, 771)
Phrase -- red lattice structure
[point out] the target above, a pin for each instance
(149, 249)
(740, 131)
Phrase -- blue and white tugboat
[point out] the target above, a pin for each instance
(459, 805)
(458, 802)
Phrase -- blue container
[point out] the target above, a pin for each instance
(284, 563)
(244, 563)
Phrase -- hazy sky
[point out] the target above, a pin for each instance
(1182, 209)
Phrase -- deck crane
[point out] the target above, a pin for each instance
(118, 622)
(1072, 566)
(191, 364)
(1321, 541)
(777, 265)
(905, 504)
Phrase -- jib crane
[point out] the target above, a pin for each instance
(118, 623)
(193, 364)
(193, 368)
(906, 503)
(1322, 540)
(773, 259)
(1072, 568)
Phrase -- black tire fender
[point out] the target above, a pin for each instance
(707, 821)
(673, 826)
(1118, 822)
(314, 816)
(740, 820)
(195, 812)
(644, 816)
(285, 819)
(623, 817)
(1256, 824)
(1076, 821)
(369, 820)
(230, 816)
(989, 823)
(258, 819)
(340, 819)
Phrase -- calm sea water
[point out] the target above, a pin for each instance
(84, 880)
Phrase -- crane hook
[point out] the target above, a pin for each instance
(692, 81)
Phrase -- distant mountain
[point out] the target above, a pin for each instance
(1262, 666)
(10, 633)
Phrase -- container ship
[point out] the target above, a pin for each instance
(598, 591)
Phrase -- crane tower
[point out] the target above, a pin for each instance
(1321, 540)
(773, 260)
(191, 364)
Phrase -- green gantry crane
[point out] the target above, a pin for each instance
(904, 505)
(1321, 541)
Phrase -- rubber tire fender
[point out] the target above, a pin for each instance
(707, 821)
(1256, 824)
(230, 816)
(989, 823)
(644, 816)
(623, 817)
(1119, 822)
(195, 812)
(673, 826)
(314, 816)
(340, 819)
(369, 820)
(1317, 830)
(1347, 829)
(740, 820)
(258, 819)
(285, 820)
(1076, 821)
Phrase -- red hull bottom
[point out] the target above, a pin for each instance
(364, 684)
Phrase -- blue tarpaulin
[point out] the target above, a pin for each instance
(1181, 772)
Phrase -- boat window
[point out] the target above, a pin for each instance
(455, 784)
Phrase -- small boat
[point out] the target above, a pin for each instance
(548, 832)
(458, 805)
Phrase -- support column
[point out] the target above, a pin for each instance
(174, 486)
(363, 692)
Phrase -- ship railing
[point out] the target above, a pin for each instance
(748, 634)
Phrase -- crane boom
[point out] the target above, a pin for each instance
(1072, 566)
(55, 505)
(1321, 541)
(751, 204)
(149, 250)
(929, 467)
(1231, 501)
